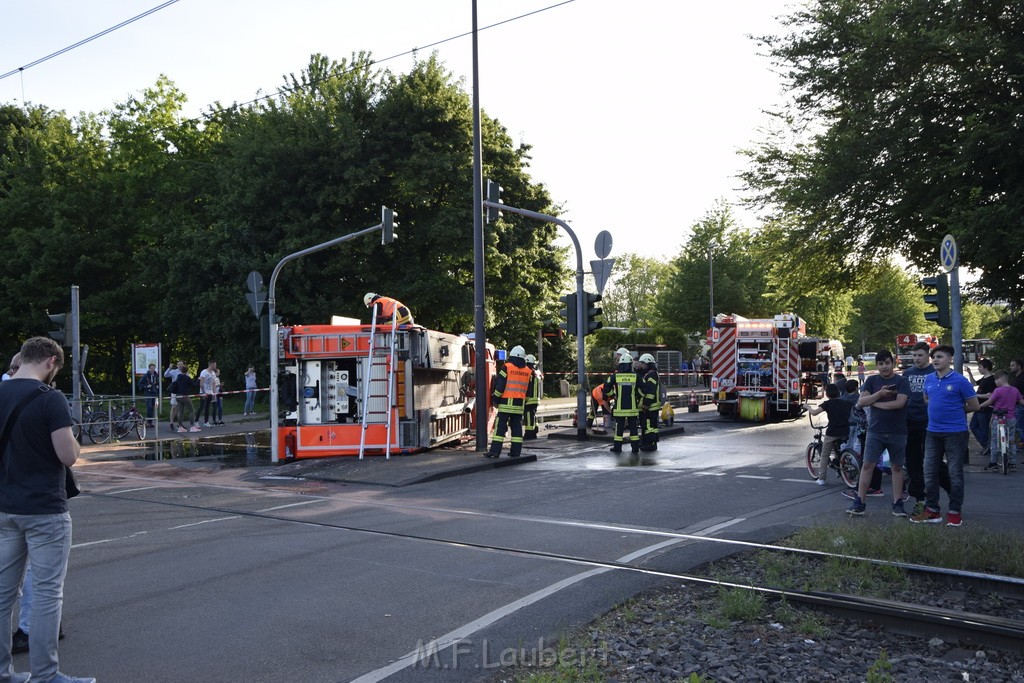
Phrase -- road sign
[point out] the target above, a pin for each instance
(255, 282)
(256, 301)
(947, 254)
(603, 244)
(602, 270)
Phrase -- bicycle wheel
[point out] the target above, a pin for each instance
(76, 429)
(123, 427)
(98, 427)
(849, 468)
(813, 458)
(140, 427)
(1004, 449)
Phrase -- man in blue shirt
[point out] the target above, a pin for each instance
(949, 397)
(917, 425)
(887, 394)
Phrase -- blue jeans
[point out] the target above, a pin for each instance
(46, 541)
(250, 400)
(1020, 421)
(979, 427)
(951, 445)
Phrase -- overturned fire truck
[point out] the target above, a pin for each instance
(369, 389)
(756, 366)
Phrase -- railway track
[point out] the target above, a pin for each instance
(904, 617)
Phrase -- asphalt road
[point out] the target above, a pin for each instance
(207, 574)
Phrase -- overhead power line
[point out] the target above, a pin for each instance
(91, 38)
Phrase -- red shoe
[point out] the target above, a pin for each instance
(928, 517)
(953, 519)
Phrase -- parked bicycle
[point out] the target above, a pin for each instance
(844, 462)
(130, 421)
(1003, 436)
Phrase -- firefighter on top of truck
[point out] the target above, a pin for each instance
(530, 428)
(388, 308)
(622, 387)
(511, 387)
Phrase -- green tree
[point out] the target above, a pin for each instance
(630, 299)
(902, 126)
(893, 305)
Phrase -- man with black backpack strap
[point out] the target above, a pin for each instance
(36, 448)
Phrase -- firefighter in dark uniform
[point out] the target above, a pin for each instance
(388, 308)
(622, 386)
(511, 387)
(530, 427)
(650, 403)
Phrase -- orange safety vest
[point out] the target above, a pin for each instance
(517, 383)
(388, 307)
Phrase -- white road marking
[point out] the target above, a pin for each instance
(289, 505)
(800, 481)
(107, 540)
(142, 488)
(751, 476)
(205, 521)
(472, 627)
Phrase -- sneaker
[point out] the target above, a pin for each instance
(64, 678)
(1012, 466)
(193, 428)
(876, 493)
(918, 508)
(953, 519)
(182, 430)
(991, 467)
(19, 642)
(206, 424)
(927, 516)
(857, 507)
(897, 509)
(820, 482)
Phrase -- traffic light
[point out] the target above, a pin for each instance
(591, 311)
(493, 196)
(940, 299)
(265, 329)
(59, 335)
(569, 313)
(389, 218)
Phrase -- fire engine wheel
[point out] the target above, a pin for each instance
(813, 459)
(849, 468)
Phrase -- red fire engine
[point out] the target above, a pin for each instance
(355, 389)
(905, 344)
(756, 366)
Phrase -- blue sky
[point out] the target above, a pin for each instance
(635, 110)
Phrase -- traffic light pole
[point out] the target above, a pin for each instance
(76, 357)
(955, 319)
(275, 420)
(581, 323)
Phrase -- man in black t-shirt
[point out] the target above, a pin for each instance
(838, 429)
(981, 418)
(34, 521)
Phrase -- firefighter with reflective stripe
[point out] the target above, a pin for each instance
(622, 386)
(388, 308)
(511, 387)
(650, 403)
(530, 428)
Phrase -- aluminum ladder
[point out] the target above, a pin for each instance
(783, 372)
(380, 370)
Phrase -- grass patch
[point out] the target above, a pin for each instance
(737, 604)
(572, 661)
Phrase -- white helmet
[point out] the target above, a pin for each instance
(368, 299)
(517, 352)
(622, 351)
(625, 358)
(647, 358)
(530, 358)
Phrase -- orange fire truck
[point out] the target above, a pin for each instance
(355, 389)
(756, 366)
(905, 344)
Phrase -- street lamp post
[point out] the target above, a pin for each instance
(711, 282)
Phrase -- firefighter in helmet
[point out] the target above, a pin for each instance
(530, 428)
(622, 386)
(650, 403)
(511, 387)
(388, 308)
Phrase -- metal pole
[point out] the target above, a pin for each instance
(76, 357)
(955, 318)
(479, 333)
(711, 284)
(581, 370)
(271, 307)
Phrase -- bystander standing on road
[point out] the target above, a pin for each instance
(218, 406)
(886, 394)
(181, 389)
(981, 418)
(861, 371)
(172, 373)
(149, 385)
(917, 425)
(208, 389)
(1004, 398)
(36, 448)
(950, 396)
(838, 429)
(250, 391)
(849, 365)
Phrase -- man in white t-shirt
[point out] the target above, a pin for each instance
(208, 387)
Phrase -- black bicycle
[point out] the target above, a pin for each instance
(844, 462)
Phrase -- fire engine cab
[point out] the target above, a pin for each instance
(355, 389)
(756, 367)
(905, 347)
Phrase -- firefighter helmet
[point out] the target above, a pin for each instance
(622, 350)
(368, 299)
(647, 358)
(517, 352)
(530, 358)
(625, 358)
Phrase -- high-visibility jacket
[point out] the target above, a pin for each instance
(598, 394)
(390, 307)
(511, 387)
(536, 393)
(623, 387)
(650, 391)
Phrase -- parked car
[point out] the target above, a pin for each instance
(868, 357)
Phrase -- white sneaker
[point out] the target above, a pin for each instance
(194, 429)
(206, 424)
(820, 482)
(64, 678)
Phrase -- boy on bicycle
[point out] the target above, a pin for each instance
(838, 429)
(1004, 399)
